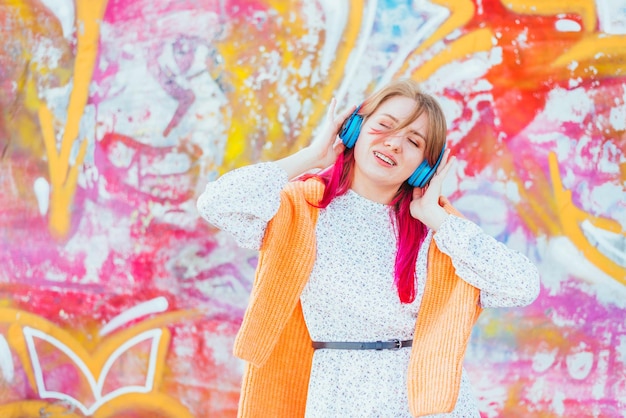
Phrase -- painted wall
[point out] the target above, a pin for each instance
(116, 300)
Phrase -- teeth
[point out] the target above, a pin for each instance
(384, 158)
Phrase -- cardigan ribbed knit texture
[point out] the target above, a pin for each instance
(274, 340)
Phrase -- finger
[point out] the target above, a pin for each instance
(338, 144)
(444, 161)
(347, 112)
(442, 172)
(444, 165)
(418, 192)
(330, 113)
(446, 168)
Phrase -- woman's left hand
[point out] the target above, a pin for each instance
(425, 204)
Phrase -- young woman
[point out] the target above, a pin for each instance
(368, 282)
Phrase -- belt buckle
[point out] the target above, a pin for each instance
(397, 342)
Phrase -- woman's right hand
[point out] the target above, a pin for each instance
(326, 146)
(323, 149)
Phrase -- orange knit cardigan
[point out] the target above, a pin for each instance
(274, 340)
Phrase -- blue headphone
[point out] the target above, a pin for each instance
(350, 131)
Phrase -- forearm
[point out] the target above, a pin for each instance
(299, 163)
(504, 276)
(243, 201)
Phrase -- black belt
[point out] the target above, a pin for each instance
(376, 345)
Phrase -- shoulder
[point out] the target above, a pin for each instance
(309, 190)
(297, 211)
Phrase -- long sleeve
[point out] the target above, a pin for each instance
(504, 276)
(243, 201)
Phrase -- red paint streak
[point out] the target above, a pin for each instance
(138, 182)
(521, 82)
(480, 144)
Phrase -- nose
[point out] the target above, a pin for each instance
(393, 141)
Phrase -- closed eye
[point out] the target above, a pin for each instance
(415, 142)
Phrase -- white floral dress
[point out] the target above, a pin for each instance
(350, 295)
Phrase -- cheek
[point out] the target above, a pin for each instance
(414, 155)
(361, 145)
(357, 152)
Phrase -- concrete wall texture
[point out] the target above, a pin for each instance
(117, 300)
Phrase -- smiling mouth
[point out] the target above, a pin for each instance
(384, 158)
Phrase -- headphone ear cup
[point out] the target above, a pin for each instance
(351, 129)
(422, 175)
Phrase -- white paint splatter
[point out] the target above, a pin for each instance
(617, 117)
(336, 19)
(46, 54)
(547, 138)
(611, 16)
(558, 405)
(620, 350)
(41, 187)
(451, 109)
(579, 364)
(121, 155)
(512, 191)
(493, 394)
(57, 99)
(537, 391)
(602, 367)
(353, 64)
(167, 164)
(562, 260)
(64, 11)
(6, 361)
(543, 360)
(567, 25)
(471, 69)
(488, 211)
(156, 305)
(568, 105)
(572, 83)
(612, 245)
(436, 16)
(522, 38)
(111, 231)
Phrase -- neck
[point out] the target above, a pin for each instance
(379, 194)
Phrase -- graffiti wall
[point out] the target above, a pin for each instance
(117, 300)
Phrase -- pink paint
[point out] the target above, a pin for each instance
(591, 326)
